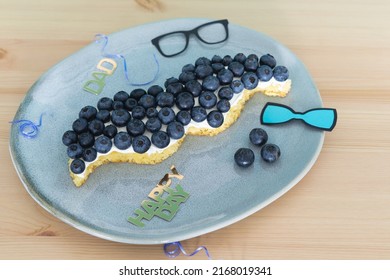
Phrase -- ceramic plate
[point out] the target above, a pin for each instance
(221, 193)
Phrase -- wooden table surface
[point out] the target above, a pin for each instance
(340, 210)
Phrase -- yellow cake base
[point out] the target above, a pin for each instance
(158, 157)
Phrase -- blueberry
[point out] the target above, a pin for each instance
(198, 114)
(253, 56)
(236, 68)
(207, 99)
(135, 127)
(250, 80)
(141, 144)
(225, 93)
(116, 105)
(215, 119)
(223, 105)
(69, 137)
(151, 112)
(147, 101)
(137, 93)
(88, 113)
(244, 157)
(103, 144)
(185, 101)
(217, 67)
(130, 104)
(251, 64)
(96, 127)
(227, 59)
(171, 80)
(165, 99)
(202, 61)
(77, 166)
(166, 115)
(268, 59)
(240, 57)
(121, 96)
(216, 59)
(225, 76)
(237, 86)
(89, 154)
(175, 88)
(280, 73)
(210, 83)
(202, 71)
(187, 76)
(80, 125)
(138, 112)
(75, 150)
(86, 139)
(122, 140)
(270, 153)
(155, 90)
(153, 124)
(264, 73)
(105, 103)
(258, 136)
(188, 68)
(110, 131)
(103, 115)
(184, 117)
(194, 87)
(160, 139)
(120, 117)
(175, 130)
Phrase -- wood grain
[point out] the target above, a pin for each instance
(340, 210)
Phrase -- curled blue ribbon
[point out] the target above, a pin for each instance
(172, 250)
(27, 128)
(103, 37)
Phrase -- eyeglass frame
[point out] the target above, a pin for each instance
(187, 34)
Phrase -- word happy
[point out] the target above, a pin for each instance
(163, 201)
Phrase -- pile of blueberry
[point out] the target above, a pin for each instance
(245, 157)
(144, 117)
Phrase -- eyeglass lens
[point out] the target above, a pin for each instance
(213, 33)
(173, 43)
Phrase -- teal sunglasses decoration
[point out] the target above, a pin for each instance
(321, 118)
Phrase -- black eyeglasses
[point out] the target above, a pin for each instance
(176, 42)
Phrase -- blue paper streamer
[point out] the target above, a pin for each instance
(172, 250)
(103, 37)
(27, 128)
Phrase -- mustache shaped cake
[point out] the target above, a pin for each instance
(148, 126)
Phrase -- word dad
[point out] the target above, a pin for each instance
(96, 85)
